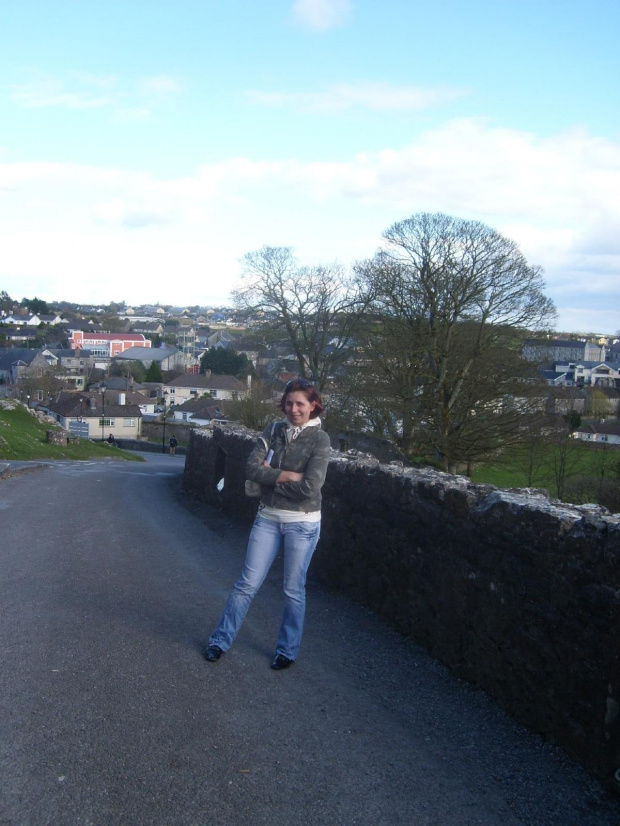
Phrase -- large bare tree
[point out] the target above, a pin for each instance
(318, 308)
(462, 295)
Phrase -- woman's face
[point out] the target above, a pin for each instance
(298, 408)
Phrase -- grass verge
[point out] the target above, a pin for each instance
(23, 438)
(584, 461)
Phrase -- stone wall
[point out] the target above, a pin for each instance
(56, 437)
(514, 592)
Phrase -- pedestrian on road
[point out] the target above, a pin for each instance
(289, 462)
(173, 445)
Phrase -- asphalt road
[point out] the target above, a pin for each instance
(109, 587)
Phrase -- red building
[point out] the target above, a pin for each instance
(106, 344)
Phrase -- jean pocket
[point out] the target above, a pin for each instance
(307, 529)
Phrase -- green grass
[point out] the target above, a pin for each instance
(508, 471)
(23, 438)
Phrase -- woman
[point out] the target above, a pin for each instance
(289, 515)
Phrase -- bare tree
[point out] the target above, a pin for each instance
(379, 390)
(255, 410)
(606, 467)
(318, 308)
(564, 459)
(39, 382)
(466, 294)
(530, 457)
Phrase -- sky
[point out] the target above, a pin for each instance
(147, 145)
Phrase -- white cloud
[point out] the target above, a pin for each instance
(99, 81)
(558, 197)
(567, 184)
(80, 90)
(376, 97)
(18, 176)
(43, 92)
(123, 213)
(160, 85)
(322, 14)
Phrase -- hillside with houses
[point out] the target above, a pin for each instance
(101, 371)
(120, 372)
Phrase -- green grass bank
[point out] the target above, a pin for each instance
(23, 438)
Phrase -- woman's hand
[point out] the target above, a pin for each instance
(289, 476)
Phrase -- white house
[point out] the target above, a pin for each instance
(200, 412)
(194, 385)
(101, 414)
(597, 374)
(29, 320)
(584, 373)
(604, 432)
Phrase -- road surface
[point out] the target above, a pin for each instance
(109, 586)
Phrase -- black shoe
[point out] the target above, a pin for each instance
(281, 662)
(213, 653)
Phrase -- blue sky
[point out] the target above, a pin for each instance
(145, 145)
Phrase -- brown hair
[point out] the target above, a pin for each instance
(312, 394)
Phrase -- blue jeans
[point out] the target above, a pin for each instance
(266, 538)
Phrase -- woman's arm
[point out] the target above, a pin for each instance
(289, 476)
(255, 468)
(314, 474)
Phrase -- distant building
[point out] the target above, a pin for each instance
(583, 374)
(200, 412)
(169, 358)
(214, 386)
(107, 345)
(603, 432)
(100, 414)
(562, 350)
(15, 361)
(601, 374)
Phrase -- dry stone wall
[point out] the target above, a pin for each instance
(514, 592)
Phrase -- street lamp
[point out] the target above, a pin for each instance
(81, 409)
(103, 389)
(163, 435)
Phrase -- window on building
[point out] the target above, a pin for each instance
(129, 422)
(107, 422)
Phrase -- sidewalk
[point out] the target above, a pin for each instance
(13, 468)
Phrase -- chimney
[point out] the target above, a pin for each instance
(92, 403)
(121, 398)
(249, 383)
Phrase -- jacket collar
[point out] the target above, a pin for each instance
(292, 431)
